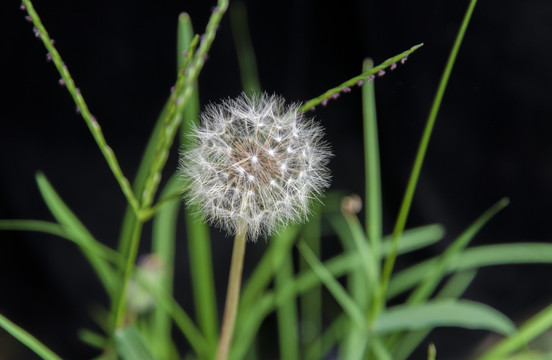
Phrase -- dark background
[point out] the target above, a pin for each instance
(491, 138)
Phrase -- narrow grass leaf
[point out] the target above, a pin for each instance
(452, 289)
(51, 228)
(335, 288)
(528, 331)
(76, 229)
(474, 258)
(27, 339)
(163, 246)
(244, 48)
(424, 290)
(457, 313)
(372, 178)
(279, 248)
(311, 301)
(130, 345)
(197, 231)
(417, 167)
(355, 81)
(415, 239)
(92, 338)
(286, 314)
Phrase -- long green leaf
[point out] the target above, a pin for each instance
(77, 230)
(453, 288)
(311, 301)
(457, 313)
(528, 331)
(286, 314)
(27, 339)
(197, 231)
(163, 246)
(244, 48)
(420, 156)
(474, 258)
(424, 290)
(371, 164)
(280, 246)
(130, 345)
(335, 288)
(47, 227)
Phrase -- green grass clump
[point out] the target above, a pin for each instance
(361, 279)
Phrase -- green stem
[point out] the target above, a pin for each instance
(232, 296)
(120, 301)
(82, 108)
(416, 169)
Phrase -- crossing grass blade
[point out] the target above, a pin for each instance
(76, 229)
(474, 258)
(46, 227)
(163, 246)
(528, 331)
(130, 345)
(197, 231)
(449, 312)
(27, 339)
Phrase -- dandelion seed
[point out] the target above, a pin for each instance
(263, 181)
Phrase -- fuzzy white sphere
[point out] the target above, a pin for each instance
(256, 165)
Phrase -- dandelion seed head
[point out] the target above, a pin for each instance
(256, 165)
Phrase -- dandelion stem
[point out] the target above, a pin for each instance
(232, 296)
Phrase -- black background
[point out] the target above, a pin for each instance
(491, 138)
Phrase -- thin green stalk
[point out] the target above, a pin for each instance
(288, 336)
(27, 339)
(535, 326)
(182, 93)
(90, 120)
(232, 296)
(344, 87)
(371, 165)
(120, 302)
(409, 194)
(244, 48)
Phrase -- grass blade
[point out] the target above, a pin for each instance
(273, 257)
(372, 198)
(130, 345)
(335, 288)
(27, 339)
(163, 246)
(354, 81)
(417, 167)
(90, 120)
(199, 241)
(92, 246)
(431, 281)
(528, 331)
(458, 313)
(76, 229)
(286, 314)
(453, 289)
(311, 301)
(244, 48)
(415, 239)
(474, 258)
